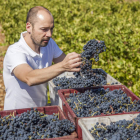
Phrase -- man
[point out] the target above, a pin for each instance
(27, 63)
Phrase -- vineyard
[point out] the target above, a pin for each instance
(99, 102)
(116, 22)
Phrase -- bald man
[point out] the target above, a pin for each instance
(28, 62)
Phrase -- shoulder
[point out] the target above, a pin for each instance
(15, 52)
(52, 42)
(14, 48)
(51, 45)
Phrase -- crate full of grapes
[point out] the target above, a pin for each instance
(68, 80)
(48, 123)
(115, 127)
(97, 101)
(55, 100)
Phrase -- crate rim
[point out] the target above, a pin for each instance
(74, 115)
(84, 128)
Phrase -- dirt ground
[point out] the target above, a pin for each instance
(2, 87)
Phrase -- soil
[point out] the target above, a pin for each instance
(2, 87)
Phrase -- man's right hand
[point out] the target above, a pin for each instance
(72, 62)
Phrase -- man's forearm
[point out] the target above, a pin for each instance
(30, 76)
(40, 76)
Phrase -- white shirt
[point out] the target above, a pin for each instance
(19, 94)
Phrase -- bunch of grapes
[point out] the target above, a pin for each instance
(87, 77)
(100, 101)
(98, 78)
(32, 125)
(92, 49)
(120, 130)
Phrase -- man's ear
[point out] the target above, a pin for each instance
(28, 27)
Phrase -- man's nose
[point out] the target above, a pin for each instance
(49, 33)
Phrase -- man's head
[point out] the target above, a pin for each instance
(39, 25)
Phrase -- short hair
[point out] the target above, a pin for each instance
(32, 14)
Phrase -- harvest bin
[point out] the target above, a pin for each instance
(55, 100)
(68, 112)
(47, 110)
(87, 123)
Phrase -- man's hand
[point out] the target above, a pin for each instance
(71, 62)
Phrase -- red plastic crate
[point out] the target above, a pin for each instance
(68, 112)
(47, 110)
(61, 139)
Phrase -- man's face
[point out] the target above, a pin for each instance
(42, 29)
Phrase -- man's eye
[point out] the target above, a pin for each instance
(44, 29)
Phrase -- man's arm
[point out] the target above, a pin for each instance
(34, 77)
(60, 58)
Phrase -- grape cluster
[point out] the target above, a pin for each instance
(86, 69)
(120, 130)
(98, 78)
(91, 49)
(87, 77)
(32, 125)
(100, 101)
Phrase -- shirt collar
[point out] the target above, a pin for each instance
(28, 49)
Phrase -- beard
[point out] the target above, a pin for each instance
(39, 43)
